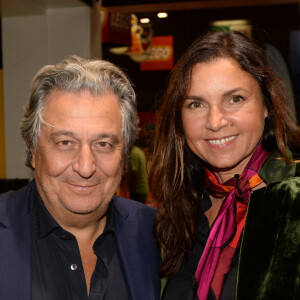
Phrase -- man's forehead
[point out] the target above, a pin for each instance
(82, 114)
(73, 134)
(82, 104)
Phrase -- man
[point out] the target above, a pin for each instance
(66, 236)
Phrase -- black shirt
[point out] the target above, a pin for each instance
(183, 284)
(57, 271)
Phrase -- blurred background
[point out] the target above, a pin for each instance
(145, 40)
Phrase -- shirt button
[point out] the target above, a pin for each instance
(73, 267)
(63, 236)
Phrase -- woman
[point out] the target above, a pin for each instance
(224, 154)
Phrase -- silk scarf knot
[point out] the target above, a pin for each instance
(229, 223)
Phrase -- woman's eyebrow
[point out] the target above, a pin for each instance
(192, 97)
(232, 91)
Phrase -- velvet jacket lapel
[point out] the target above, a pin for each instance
(140, 263)
(270, 250)
(15, 245)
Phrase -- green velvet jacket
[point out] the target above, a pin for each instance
(269, 265)
(269, 258)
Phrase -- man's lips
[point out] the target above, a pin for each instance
(82, 186)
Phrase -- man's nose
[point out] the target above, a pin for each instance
(85, 164)
(216, 119)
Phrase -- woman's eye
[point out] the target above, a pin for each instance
(236, 99)
(195, 104)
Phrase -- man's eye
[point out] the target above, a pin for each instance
(236, 99)
(65, 143)
(104, 146)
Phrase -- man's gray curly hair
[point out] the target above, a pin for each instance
(74, 74)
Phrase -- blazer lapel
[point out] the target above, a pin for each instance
(132, 256)
(15, 261)
(15, 246)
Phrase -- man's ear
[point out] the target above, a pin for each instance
(33, 159)
(266, 113)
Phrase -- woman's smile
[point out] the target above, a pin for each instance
(221, 141)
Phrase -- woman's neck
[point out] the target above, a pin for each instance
(228, 173)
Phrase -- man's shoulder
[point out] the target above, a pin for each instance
(12, 197)
(14, 193)
(13, 204)
(128, 208)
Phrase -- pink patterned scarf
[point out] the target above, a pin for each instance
(224, 227)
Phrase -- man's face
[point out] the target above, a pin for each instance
(78, 162)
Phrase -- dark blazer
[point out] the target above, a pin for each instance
(138, 251)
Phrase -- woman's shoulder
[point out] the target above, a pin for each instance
(275, 169)
(271, 241)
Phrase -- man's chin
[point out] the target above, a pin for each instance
(82, 210)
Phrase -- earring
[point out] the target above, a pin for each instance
(230, 124)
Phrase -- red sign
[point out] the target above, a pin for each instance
(147, 122)
(161, 54)
(116, 27)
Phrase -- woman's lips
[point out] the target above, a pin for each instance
(222, 140)
(220, 143)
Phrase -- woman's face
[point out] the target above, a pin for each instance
(223, 116)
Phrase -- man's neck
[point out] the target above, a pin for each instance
(84, 227)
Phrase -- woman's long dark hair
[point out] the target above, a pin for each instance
(176, 179)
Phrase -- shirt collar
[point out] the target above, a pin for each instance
(110, 218)
(42, 222)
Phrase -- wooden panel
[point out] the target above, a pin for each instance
(2, 131)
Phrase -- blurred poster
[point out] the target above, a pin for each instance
(161, 55)
(116, 27)
(147, 121)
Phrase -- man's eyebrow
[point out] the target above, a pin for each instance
(114, 138)
(60, 133)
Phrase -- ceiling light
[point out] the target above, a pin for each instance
(145, 20)
(162, 15)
